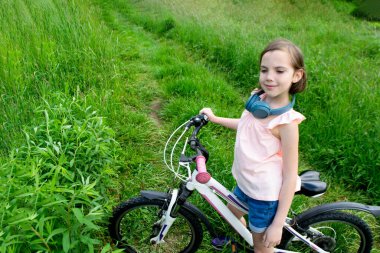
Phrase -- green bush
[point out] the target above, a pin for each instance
(55, 187)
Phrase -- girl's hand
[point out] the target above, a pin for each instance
(226, 122)
(209, 113)
(272, 236)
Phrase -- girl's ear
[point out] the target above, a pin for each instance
(298, 74)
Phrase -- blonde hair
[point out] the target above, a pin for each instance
(296, 57)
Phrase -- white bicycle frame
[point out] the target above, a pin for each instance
(212, 191)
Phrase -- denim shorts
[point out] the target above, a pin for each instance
(261, 213)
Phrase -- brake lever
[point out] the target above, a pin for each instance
(198, 122)
(186, 159)
(197, 146)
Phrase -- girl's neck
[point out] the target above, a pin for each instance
(278, 101)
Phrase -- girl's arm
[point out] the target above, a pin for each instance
(289, 147)
(226, 122)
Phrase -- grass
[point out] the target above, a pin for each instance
(90, 78)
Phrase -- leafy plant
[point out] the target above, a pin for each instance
(56, 185)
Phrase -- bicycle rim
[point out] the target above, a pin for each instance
(135, 227)
(333, 232)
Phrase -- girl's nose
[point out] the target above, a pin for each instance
(269, 76)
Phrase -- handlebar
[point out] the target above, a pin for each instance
(201, 154)
(198, 122)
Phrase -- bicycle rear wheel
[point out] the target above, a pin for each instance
(133, 224)
(333, 232)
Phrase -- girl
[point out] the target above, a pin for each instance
(265, 163)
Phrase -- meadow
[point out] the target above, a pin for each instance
(91, 89)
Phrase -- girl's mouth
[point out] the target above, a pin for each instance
(270, 86)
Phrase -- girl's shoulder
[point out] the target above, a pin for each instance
(286, 118)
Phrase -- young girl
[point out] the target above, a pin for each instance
(265, 163)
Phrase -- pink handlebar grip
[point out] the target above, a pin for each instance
(203, 176)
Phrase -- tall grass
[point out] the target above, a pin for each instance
(341, 134)
(49, 46)
(59, 159)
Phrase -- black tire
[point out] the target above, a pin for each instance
(131, 227)
(349, 233)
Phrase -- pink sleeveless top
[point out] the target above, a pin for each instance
(257, 166)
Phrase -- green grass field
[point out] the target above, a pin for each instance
(91, 89)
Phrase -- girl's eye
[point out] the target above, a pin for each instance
(263, 71)
(280, 71)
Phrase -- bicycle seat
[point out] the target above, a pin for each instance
(311, 184)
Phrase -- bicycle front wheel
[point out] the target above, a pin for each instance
(333, 232)
(134, 223)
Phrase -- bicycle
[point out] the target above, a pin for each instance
(166, 222)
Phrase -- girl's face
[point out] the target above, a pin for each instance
(277, 73)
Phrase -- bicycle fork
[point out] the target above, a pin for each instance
(166, 220)
(168, 216)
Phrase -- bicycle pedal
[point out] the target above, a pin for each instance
(219, 243)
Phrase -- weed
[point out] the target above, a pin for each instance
(55, 185)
